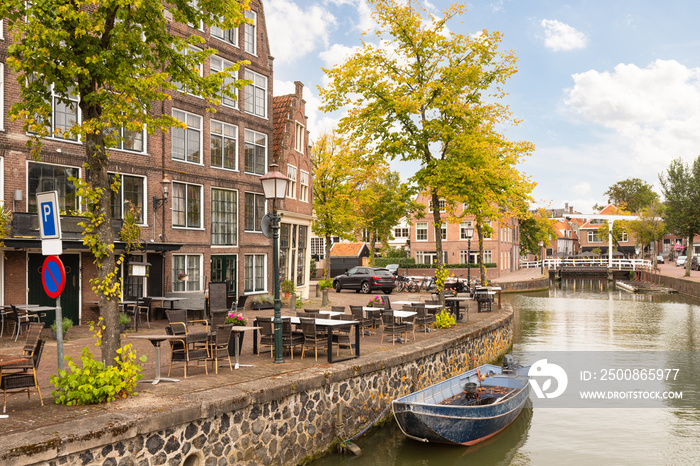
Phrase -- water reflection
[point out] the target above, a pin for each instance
(578, 315)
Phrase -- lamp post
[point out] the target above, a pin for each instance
(407, 247)
(541, 245)
(469, 232)
(275, 187)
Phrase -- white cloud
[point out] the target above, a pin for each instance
(582, 188)
(652, 114)
(559, 36)
(336, 54)
(294, 32)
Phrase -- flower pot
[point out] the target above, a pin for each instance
(286, 295)
(184, 279)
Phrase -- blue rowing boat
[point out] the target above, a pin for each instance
(465, 409)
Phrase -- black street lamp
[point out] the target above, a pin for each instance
(275, 187)
(407, 247)
(469, 232)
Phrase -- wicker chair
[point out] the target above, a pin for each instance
(313, 338)
(177, 318)
(342, 334)
(291, 339)
(391, 328)
(185, 350)
(340, 309)
(267, 333)
(143, 307)
(312, 311)
(22, 376)
(424, 319)
(21, 319)
(219, 346)
(387, 303)
(365, 323)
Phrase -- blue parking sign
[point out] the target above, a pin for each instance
(49, 218)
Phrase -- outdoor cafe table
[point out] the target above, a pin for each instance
(35, 309)
(235, 330)
(407, 303)
(453, 303)
(156, 340)
(329, 325)
(165, 299)
(331, 313)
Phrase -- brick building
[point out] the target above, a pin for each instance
(502, 248)
(210, 225)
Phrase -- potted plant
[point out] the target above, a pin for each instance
(263, 301)
(375, 302)
(287, 287)
(182, 276)
(67, 324)
(123, 321)
(237, 320)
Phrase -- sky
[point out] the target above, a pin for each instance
(606, 90)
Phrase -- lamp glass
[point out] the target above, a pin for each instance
(469, 231)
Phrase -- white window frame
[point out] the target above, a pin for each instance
(463, 229)
(200, 67)
(235, 217)
(251, 30)
(217, 65)
(299, 133)
(401, 232)
(193, 284)
(292, 183)
(255, 290)
(250, 137)
(421, 227)
(592, 236)
(144, 205)
(225, 35)
(223, 137)
(257, 226)
(189, 128)
(201, 206)
(488, 256)
(258, 85)
(318, 247)
(624, 238)
(443, 231)
(303, 186)
(52, 117)
(121, 131)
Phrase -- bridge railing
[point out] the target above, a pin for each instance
(617, 264)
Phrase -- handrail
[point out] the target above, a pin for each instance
(619, 264)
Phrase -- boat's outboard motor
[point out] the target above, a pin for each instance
(509, 364)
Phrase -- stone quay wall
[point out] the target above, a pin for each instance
(278, 420)
(682, 285)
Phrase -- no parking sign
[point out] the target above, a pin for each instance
(53, 276)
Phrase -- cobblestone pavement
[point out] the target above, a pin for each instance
(26, 414)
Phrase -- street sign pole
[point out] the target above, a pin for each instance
(59, 333)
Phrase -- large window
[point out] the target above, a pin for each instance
(443, 230)
(256, 94)
(43, 177)
(301, 255)
(227, 35)
(64, 114)
(401, 232)
(463, 229)
(303, 186)
(488, 258)
(318, 250)
(224, 145)
(132, 141)
(254, 273)
(224, 218)
(200, 67)
(187, 143)
(249, 32)
(130, 195)
(187, 205)
(2, 88)
(472, 256)
(190, 265)
(422, 231)
(254, 211)
(218, 65)
(593, 237)
(255, 152)
(292, 257)
(292, 183)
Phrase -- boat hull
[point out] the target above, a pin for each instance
(421, 416)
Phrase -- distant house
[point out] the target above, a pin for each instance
(590, 240)
(345, 256)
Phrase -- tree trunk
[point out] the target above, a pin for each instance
(688, 256)
(482, 266)
(372, 241)
(99, 179)
(437, 223)
(327, 269)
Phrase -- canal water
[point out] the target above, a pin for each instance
(575, 315)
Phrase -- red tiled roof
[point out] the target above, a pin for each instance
(347, 249)
(280, 112)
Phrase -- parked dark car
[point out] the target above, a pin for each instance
(365, 279)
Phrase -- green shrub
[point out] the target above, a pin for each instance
(444, 320)
(67, 325)
(325, 284)
(124, 319)
(94, 382)
(287, 286)
(263, 298)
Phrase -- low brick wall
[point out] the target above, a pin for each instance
(519, 287)
(270, 421)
